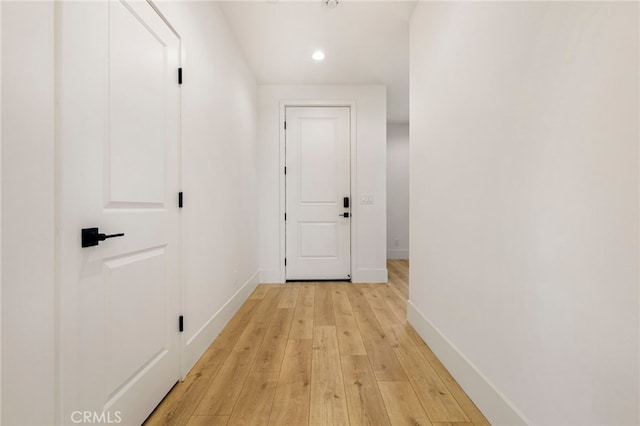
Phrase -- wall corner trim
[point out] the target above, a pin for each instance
(498, 409)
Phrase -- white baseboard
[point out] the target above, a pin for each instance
(370, 276)
(498, 409)
(271, 276)
(398, 254)
(198, 344)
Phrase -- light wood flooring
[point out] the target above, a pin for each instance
(320, 354)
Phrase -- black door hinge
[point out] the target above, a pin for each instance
(285, 261)
(181, 323)
(180, 75)
(285, 216)
(180, 199)
(285, 125)
(285, 170)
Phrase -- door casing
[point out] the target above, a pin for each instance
(354, 177)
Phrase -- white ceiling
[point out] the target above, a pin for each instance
(364, 42)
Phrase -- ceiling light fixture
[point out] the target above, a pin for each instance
(318, 55)
(331, 3)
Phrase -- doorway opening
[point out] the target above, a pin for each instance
(398, 200)
(317, 157)
(317, 193)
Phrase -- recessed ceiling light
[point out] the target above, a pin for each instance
(318, 55)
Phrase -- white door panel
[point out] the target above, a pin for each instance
(318, 238)
(136, 116)
(118, 117)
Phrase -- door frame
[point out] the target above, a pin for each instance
(352, 105)
(58, 166)
(184, 368)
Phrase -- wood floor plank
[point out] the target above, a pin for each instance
(302, 325)
(363, 396)
(397, 283)
(349, 339)
(222, 393)
(402, 404)
(400, 267)
(323, 309)
(255, 400)
(289, 296)
(268, 305)
(401, 271)
(381, 356)
(399, 276)
(231, 333)
(271, 351)
(397, 305)
(178, 406)
(468, 406)
(291, 401)
(208, 421)
(395, 288)
(259, 292)
(181, 402)
(262, 289)
(379, 307)
(328, 404)
(434, 395)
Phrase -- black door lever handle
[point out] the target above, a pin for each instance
(91, 237)
(103, 237)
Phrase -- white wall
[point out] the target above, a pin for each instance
(370, 261)
(28, 296)
(397, 191)
(524, 204)
(220, 228)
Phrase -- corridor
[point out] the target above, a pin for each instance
(320, 353)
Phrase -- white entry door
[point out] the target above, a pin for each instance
(118, 167)
(318, 192)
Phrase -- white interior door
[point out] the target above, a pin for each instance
(118, 166)
(318, 179)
